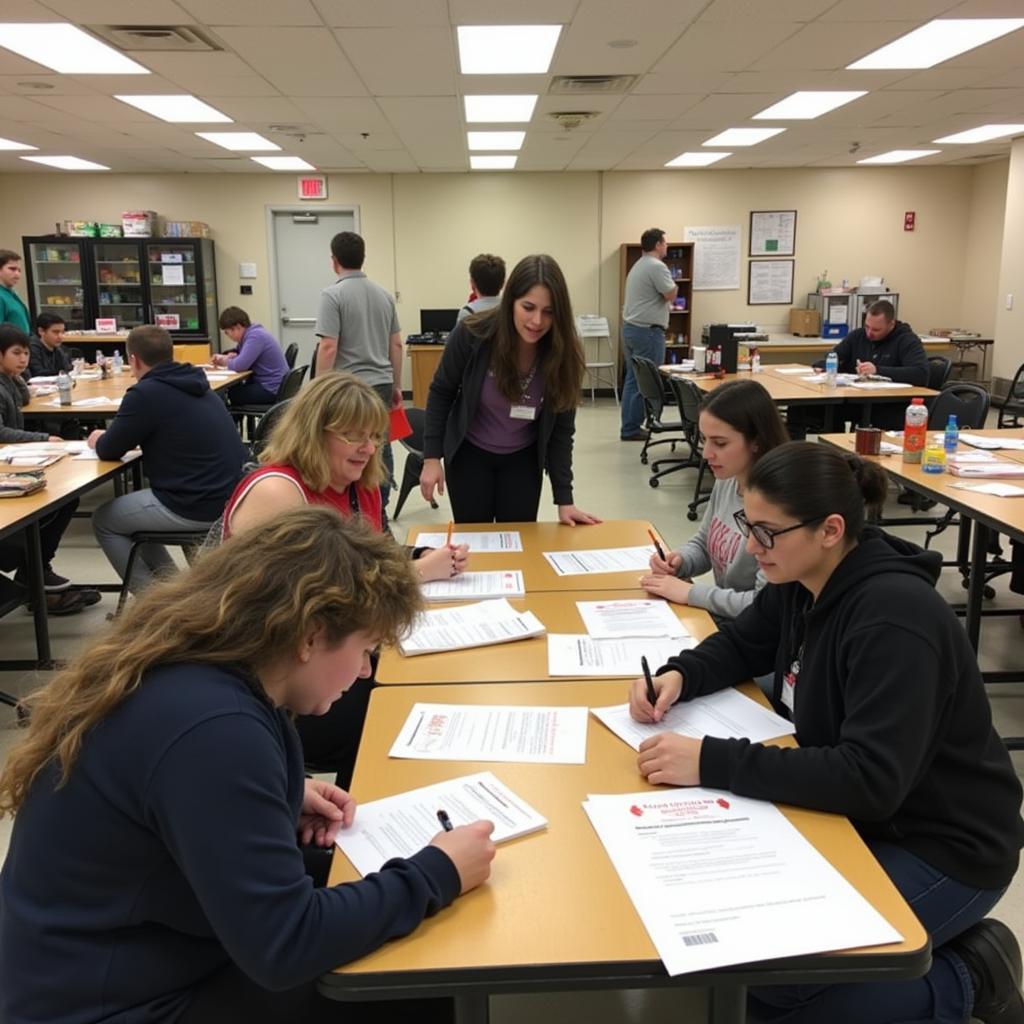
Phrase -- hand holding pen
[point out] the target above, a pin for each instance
(469, 847)
(662, 564)
(665, 690)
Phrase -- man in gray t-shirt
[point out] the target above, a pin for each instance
(357, 324)
(648, 299)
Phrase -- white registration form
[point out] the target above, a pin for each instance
(994, 443)
(791, 369)
(40, 448)
(493, 732)
(473, 586)
(398, 826)
(996, 489)
(485, 540)
(623, 618)
(719, 879)
(575, 654)
(469, 625)
(578, 563)
(725, 714)
(88, 403)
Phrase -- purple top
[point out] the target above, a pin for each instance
(259, 351)
(494, 429)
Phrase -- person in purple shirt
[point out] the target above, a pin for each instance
(257, 350)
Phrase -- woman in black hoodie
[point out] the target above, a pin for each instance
(894, 727)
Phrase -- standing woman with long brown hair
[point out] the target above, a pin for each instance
(502, 405)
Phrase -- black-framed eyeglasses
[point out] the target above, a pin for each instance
(764, 535)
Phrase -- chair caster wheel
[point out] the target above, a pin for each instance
(643, 460)
(692, 516)
(989, 593)
(654, 481)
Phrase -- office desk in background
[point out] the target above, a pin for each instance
(423, 360)
(555, 916)
(550, 536)
(521, 660)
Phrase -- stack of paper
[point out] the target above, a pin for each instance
(472, 586)
(997, 490)
(980, 441)
(630, 618)
(987, 469)
(485, 540)
(471, 625)
(577, 655)
(598, 560)
(398, 826)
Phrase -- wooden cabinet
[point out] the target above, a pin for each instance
(423, 359)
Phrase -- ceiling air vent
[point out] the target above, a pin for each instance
(158, 38)
(572, 85)
(572, 119)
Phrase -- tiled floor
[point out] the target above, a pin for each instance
(610, 482)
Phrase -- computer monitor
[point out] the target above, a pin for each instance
(437, 321)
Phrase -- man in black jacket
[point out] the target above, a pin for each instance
(191, 454)
(47, 355)
(884, 345)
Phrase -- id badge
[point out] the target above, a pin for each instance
(522, 412)
(789, 688)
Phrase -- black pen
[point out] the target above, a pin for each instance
(652, 697)
(657, 546)
(446, 822)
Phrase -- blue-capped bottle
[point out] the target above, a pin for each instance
(831, 368)
(951, 438)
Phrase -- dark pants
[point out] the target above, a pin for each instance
(330, 742)
(943, 996)
(488, 488)
(13, 555)
(248, 392)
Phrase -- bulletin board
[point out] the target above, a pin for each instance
(772, 233)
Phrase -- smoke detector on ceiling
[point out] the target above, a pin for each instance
(572, 119)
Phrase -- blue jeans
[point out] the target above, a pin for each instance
(943, 996)
(648, 342)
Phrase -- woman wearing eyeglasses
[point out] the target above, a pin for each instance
(894, 727)
(325, 450)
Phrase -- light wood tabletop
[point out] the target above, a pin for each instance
(554, 909)
(550, 536)
(522, 660)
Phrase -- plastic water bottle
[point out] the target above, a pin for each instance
(915, 430)
(99, 357)
(755, 361)
(64, 388)
(952, 436)
(831, 368)
(118, 361)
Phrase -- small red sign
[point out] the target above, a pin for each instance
(313, 187)
(908, 220)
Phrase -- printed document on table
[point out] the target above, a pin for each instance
(995, 489)
(575, 654)
(471, 586)
(469, 625)
(486, 540)
(607, 619)
(719, 879)
(727, 714)
(577, 563)
(32, 449)
(493, 732)
(400, 825)
(980, 441)
(987, 468)
(791, 369)
(878, 385)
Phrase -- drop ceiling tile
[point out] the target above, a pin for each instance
(585, 43)
(403, 61)
(744, 11)
(942, 77)
(723, 110)
(12, 64)
(94, 108)
(26, 10)
(343, 115)
(718, 47)
(191, 68)
(985, 9)
(262, 110)
(382, 13)
(389, 161)
(876, 105)
(830, 46)
(129, 85)
(245, 12)
(500, 12)
(654, 108)
(375, 142)
(38, 86)
(119, 12)
(682, 81)
(886, 10)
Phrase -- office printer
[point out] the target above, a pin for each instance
(726, 337)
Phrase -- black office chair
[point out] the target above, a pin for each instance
(190, 541)
(312, 361)
(939, 369)
(413, 444)
(291, 353)
(251, 414)
(689, 398)
(1011, 408)
(652, 392)
(265, 424)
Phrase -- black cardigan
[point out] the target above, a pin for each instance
(452, 404)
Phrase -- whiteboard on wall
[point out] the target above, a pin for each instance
(716, 256)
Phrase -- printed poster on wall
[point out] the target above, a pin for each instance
(716, 256)
(772, 232)
(770, 282)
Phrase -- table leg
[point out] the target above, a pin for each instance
(472, 1009)
(727, 1004)
(37, 595)
(976, 584)
(866, 413)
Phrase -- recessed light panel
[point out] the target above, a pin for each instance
(499, 109)
(506, 49)
(505, 141)
(283, 163)
(10, 144)
(183, 109)
(62, 47)
(935, 42)
(239, 141)
(492, 163)
(696, 159)
(67, 163)
(986, 133)
(742, 136)
(899, 156)
(802, 106)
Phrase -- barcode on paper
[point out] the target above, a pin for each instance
(699, 939)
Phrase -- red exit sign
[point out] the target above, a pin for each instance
(313, 187)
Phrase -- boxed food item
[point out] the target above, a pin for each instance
(81, 228)
(139, 223)
(111, 231)
(186, 229)
(806, 323)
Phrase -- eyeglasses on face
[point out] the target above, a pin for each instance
(764, 535)
(360, 440)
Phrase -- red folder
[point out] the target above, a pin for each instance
(399, 425)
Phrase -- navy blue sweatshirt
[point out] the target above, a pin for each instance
(170, 852)
(191, 451)
(899, 355)
(894, 726)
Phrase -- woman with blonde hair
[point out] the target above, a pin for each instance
(155, 860)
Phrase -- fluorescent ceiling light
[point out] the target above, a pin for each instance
(66, 163)
(742, 136)
(283, 163)
(182, 109)
(492, 163)
(935, 42)
(802, 106)
(506, 141)
(696, 159)
(985, 133)
(10, 144)
(499, 109)
(899, 156)
(238, 140)
(63, 47)
(506, 49)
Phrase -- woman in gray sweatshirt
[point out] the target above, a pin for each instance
(739, 423)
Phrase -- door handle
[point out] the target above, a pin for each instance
(299, 321)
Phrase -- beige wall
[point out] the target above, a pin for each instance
(422, 229)
(1009, 350)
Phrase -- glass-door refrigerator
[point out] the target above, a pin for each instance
(55, 279)
(182, 286)
(118, 285)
